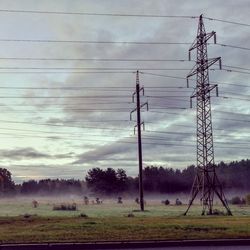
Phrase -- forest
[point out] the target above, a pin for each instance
(234, 176)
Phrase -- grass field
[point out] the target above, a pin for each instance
(110, 221)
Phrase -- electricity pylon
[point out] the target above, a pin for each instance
(206, 181)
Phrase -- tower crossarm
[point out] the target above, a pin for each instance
(204, 37)
(200, 65)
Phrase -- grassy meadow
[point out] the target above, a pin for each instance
(21, 222)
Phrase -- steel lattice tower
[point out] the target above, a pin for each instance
(206, 181)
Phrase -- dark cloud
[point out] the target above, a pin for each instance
(30, 153)
(102, 153)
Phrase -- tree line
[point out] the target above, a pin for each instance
(233, 176)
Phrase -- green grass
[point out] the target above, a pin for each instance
(74, 229)
(110, 221)
(16, 207)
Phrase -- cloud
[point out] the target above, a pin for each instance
(30, 153)
(117, 149)
(97, 136)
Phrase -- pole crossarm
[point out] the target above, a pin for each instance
(143, 127)
(144, 104)
(134, 94)
(135, 109)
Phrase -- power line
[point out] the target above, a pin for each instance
(71, 126)
(227, 21)
(229, 112)
(110, 141)
(95, 14)
(81, 110)
(64, 126)
(94, 59)
(232, 46)
(54, 132)
(235, 67)
(42, 106)
(101, 88)
(166, 138)
(109, 96)
(67, 72)
(119, 15)
(184, 78)
(234, 98)
(121, 141)
(87, 68)
(92, 42)
(232, 93)
(127, 109)
(102, 59)
(92, 127)
(89, 96)
(91, 134)
(114, 42)
(59, 97)
(232, 70)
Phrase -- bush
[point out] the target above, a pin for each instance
(26, 216)
(165, 202)
(35, 203)
(236, 200)
(65, 207)
(29, 216)
(218, 212)
(178, 202)
(130, 215)
(248, 199)
(83, 215)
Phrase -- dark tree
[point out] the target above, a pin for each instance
(107, 181)
(29, 187)
(7, 186)
(48, 186)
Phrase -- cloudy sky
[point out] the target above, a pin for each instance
(68, 72)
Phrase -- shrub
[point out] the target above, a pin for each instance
(130, 215)
(65, 207)
(236, 200)
(29, 216)
(178, 202)
(26, 216)
(218, 212)
(165, 202)
(35, 203)
(248, 199)
(83, 215)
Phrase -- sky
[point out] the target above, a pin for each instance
(67, 76)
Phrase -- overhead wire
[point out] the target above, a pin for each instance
(121, 15)
(89, 68)
(190, 79)
(116, 141)
(226, 21)
(117, 42)
(94, 59)
(96, 14)
(68, 72)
